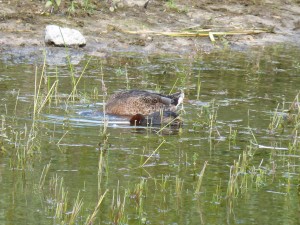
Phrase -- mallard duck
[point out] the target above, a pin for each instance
(156, 118)
(132, 102)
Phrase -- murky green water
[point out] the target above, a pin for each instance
(252, 171)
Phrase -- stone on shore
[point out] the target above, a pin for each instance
(139, 3)
(58, 36)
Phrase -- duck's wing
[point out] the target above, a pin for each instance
(177, 98)
(134, 101)
(165, 100)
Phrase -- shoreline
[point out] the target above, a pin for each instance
(103, 29)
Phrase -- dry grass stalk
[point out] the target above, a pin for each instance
(198, 33)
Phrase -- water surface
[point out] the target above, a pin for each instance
(227, 126)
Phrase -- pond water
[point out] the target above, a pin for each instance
(234, 161)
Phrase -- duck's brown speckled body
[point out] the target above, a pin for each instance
(134, 102)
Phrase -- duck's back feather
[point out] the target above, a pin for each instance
(141, 102)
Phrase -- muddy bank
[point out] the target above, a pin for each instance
(22, 25)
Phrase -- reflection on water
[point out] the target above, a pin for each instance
(88, 118)
(240, 124)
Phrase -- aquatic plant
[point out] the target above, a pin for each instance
(117, 208)
(75, 210)
(138, 194)
(92, 217)
(178, 185)
(277, 121)
(41, 100)
(198, 87)
(232, 135)
(195, 158)
(103, 130)
(217, 196)
(43, 176)
(232, 189)
(153, 153)
(178, 181)
(207, 118)
(75, 81)
(200, 178)
(163, 183)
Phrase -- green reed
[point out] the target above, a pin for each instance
(258, 175)
(200, 179)
(164, 128)
(16, 104)
(153, 153)
(41, 98)
(195, 158)
(164, 182)
(294, 113)
(22, 145)
(60, 198)
(117, 208)
(138, 194)
(102, 167)
(178, 185)
(75, 81)
(232, 135)
(43, 176)
(207, 118)
(198, 86)
(288, 178)
(92, 217)
(103, 129)
(75, 210)
(238, 176)
(232, 188)
(277, 121)
(63, 212)
(27, 141)
(217, 196)
(62, 137)
(173, 87)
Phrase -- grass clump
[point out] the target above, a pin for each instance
(207, 118)
(117, 208)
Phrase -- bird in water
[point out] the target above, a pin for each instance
(156, 118)
(133, 102)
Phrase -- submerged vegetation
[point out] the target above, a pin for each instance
(126, 183)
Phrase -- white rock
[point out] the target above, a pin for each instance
(139, 3)
(59, 36)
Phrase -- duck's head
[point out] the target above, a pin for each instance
(137, 120)
(156, 118)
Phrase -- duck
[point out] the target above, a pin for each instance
(133, 102)
(157, 118)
